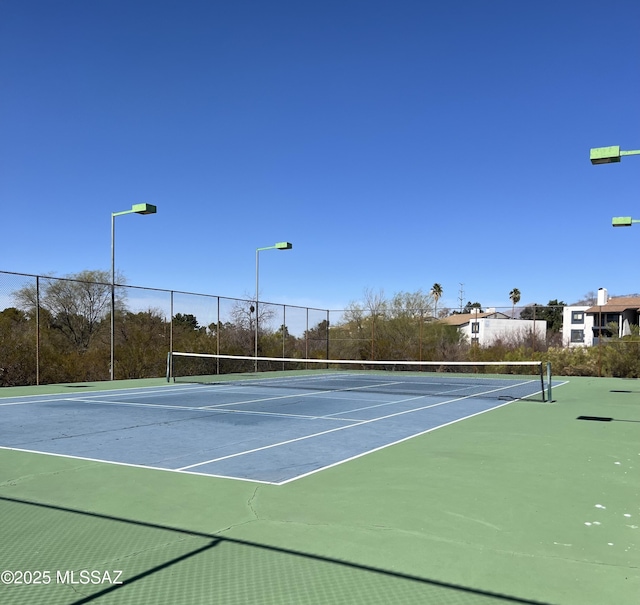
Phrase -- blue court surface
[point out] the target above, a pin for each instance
(273, 432)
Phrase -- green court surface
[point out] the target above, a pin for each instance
(525, 504)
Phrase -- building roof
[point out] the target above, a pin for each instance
(617, 305)
(459, 319)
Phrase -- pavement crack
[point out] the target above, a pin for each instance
(251, 508)
(250, 502)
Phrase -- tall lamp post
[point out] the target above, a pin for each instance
(623, 221)
(612, 155)
(278, 246)
(609, 155)
(137, 209)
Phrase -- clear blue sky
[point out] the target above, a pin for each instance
(394, 143)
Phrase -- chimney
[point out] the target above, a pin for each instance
(603, 296)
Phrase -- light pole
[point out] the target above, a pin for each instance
(623, 221)
(609, 155)
(612, 155)
(137, 209)
(278, 246)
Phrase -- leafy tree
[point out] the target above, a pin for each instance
(233, 339)
(436, 293)
(318, 332)
(17, 348)
(554, 314)
(531, 311)
(314, 340)
(13, 315)
(144, 342)
(391, 329)
(514, 295)
(551, 313)
(472, 308)
(187, 321)
(441, 342)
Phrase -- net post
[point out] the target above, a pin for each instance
(542, 381)
(169, 366)
(549, 387)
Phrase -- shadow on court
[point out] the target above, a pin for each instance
(604, 419)
(171, 565)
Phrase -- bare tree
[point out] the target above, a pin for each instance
(76, 304)
(590, 298)
(410, 304)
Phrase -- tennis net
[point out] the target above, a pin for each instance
(488, 379)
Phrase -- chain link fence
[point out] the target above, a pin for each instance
(59, 330)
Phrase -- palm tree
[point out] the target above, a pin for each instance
(436, 292)
(514, 295)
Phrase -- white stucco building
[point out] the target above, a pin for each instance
(490, 326)
(585, 325)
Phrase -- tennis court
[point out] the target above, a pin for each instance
(353, 489)
(271, 427)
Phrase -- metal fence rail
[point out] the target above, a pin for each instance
(56, 329)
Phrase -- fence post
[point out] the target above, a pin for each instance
(218, 325)
(328, 326)
(284, 332)
(37, 330)
(171, 322)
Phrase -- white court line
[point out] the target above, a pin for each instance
(68, 396)
(132, 465)
(235, 478)
(170, 390)
(61, 398)
(324, 393)
(386, 445)
(369, 407)
(224, 407)
(379, 405)
(207, 409)
(341, 428)
(298, 395)
(218, 406)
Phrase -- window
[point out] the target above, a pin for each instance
(603, 319)
(577, 335)
(475, 327)
(577, 317)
